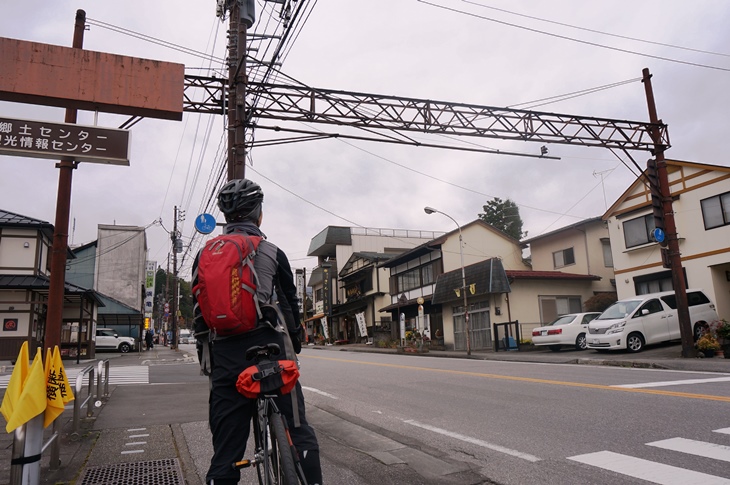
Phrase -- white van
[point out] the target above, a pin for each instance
(185, 337)
(647, 319)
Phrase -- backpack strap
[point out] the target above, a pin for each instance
(253, 251)
(288, 353)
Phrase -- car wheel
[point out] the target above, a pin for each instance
(555, 348)
(581, 343)
(700, 328)
(124, 347)
(635, 342)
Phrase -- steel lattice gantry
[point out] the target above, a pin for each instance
(391, 118)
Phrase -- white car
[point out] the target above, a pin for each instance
(109, 339)
(648, 319)
(570, 329)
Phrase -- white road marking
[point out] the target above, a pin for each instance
(692, 447)
(322, 393)
(129, 452)
(474, 441)
(647, 470)
(137, 429)
(722, 430)
(138, 435)
(135, 443)
(120, 375)
(674, 383)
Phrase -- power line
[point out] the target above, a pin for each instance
(565, 37)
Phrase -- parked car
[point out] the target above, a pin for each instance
(635, 322)
(186, 337)
(570, 329)
(109, 339)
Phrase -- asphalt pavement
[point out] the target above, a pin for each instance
(171, 420)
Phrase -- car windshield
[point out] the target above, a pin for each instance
(562, 320)
(620, 309)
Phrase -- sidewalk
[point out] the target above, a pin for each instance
(181, 441)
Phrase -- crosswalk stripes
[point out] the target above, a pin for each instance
(118, 375)
(661, 473)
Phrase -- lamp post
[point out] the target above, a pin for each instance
(431, 210)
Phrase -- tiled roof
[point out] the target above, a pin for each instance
(11, 219)
(483, 278)
(42, 284)
(548, 275)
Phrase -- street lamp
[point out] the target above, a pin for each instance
(431, 210)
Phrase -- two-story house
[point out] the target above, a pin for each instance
(501, 286)
(582, 248)
(25, 251)
(701, 206)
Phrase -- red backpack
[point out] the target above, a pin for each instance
(226, 288)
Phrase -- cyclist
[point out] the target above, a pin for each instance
(229, 412)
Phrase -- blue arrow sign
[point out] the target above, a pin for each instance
(205, 223)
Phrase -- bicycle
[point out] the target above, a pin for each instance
(275, 457)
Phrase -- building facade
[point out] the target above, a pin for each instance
(701, 206)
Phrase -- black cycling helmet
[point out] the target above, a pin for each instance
(240, 200)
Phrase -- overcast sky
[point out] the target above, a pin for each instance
(465, 53)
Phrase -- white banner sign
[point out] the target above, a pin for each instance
(149, 290)
(325, 330)
(361, 323)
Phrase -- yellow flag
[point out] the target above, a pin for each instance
(32, 401)
(58, 390)
(15, 385)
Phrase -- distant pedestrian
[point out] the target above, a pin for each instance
(148, 340)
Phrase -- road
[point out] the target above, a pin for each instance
(388, 418)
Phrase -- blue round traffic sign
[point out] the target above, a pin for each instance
(205, 223)
(658, 235)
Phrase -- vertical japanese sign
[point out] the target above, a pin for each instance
(37, 139)
(300, 289)
(326, 295)
(361, 324)
(149, 288)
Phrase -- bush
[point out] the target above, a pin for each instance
(599, 302)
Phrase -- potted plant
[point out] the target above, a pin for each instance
(721, 329)
(707, 344)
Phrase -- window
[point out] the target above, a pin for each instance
(652, 306)
(607, 256)
(637, 231)
(716, 211)
(653, 283)
(563, 258)
(694, 298)
(553, 306)
(415, 278)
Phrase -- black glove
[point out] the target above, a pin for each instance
(296, 343)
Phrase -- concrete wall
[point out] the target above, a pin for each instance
(16, 258)
(120, 263)
(481, 243)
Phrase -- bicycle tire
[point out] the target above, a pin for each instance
(282, 452)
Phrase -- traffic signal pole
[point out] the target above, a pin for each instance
(672, 238)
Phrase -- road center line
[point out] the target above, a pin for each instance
(673, 383)
(474, 441)
(706, 397)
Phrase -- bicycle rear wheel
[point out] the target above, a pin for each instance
(283, 470)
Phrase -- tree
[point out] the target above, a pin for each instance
(600, 301)
(505, 216)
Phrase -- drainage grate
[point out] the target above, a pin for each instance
(158, 472)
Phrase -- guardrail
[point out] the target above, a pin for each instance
(102, 376)
(78, 403)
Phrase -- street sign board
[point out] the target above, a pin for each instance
(39, 139)
(205, 223)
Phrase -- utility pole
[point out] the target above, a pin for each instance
(66, 167)
(241, 16)
(176, 248)
(666, 215)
